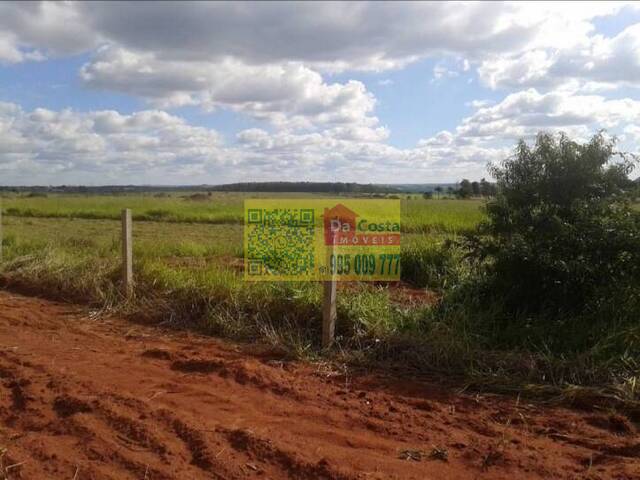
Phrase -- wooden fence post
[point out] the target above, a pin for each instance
(329, 313)
(127, 251)
(1, 230)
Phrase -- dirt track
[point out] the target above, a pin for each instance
(84, 398)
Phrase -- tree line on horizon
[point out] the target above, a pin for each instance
(320, 187)
(315, 187)
(465, 189)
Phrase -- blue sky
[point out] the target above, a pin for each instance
(369, 92)
(54, 84)
(413, 104)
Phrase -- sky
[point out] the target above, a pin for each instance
(212, 92)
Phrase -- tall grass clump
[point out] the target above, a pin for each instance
(74, 275)
(432, 263)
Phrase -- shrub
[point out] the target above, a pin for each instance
(561, 236)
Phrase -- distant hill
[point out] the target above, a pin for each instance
(315, 187)
(105, 189)
(318, 187)
(420, 187)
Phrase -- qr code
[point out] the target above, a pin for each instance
(280, 242)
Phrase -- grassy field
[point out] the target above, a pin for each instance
(201, 230)
(189, 264)
(188, 268)
(201, 208)
(418, 215)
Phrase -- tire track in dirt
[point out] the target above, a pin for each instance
(107, 430)
(108, 399)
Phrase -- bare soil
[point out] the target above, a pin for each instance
(87, 397)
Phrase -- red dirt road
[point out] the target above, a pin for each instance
(85, 398)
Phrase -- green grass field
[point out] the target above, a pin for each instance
(418, 215)
(188, 269)
(59, 225)
(188, 261)
(188, 264)
(197, 231)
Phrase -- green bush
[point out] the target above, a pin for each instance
(561, 238)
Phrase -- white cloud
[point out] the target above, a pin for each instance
(287, 95)
(523, 114)
(450, 68)
(342, 36)
(440, 72)
(323, 35)
(330, 36)
(10, 52)
(492, 130)
(632, 133)
(479, 103)
(29, 30)
(103, 144)
(323, 156)
(152, 146)
(596, 63)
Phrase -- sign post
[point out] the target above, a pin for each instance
(0, 230)
(329, 312)
(127, 252)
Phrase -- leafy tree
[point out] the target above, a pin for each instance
(427, 195)
(487, 189)
(465, 190)
(438, 190)
(561, 235)
(475, 189)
